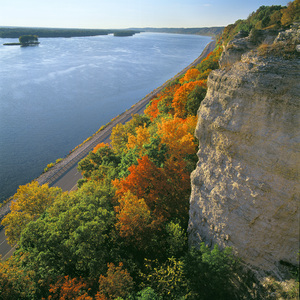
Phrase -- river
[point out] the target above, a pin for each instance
(53, 96)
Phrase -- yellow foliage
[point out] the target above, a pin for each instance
(142, 137)
(133, 215)
(30, 201)
(176, 134)
(190, 75)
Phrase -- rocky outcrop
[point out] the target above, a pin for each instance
(245, 189)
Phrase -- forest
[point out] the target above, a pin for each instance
(16, 32)
(122, 234)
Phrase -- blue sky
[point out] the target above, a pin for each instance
(127, 13)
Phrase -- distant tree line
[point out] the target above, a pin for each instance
(125, 33)
(15, 32)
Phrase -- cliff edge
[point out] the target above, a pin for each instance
(245, 188)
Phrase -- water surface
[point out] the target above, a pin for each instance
(55, 95)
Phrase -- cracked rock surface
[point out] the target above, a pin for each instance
(245, 188)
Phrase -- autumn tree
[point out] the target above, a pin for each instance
(152, 108)
(99, 163)
(181, 96)
(136, 224)
(177, 134)
(67, 288)
(190, 75)
(291, 13)
(30, 201)
(211, 61)
(165, 190)
(133, 216)
(74, 238)
(162, 103)
(141, 137)
(116, 283)
(15, 282)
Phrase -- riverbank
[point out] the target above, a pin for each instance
(62, 168)
(78, 153)
(55, 172)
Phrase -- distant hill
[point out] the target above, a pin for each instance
(208, 31)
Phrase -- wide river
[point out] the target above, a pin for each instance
(55, 95)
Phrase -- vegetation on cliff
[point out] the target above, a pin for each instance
(122, 234)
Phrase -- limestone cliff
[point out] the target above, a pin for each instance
(245, 189)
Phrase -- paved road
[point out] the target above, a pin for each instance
(65, 174)
(68, 180)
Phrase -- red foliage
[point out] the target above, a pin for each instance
(165, 190)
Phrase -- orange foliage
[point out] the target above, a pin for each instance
(207, 56)
(170, 90)
(117, 283)
(181, 96)
(190, 75)
(152, 110)
(67, 288)
(141, 182)
(176, 133)
(101, 145)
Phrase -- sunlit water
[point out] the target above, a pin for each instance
(55, 95)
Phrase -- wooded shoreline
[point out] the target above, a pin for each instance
(61, 169)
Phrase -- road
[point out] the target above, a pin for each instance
(67, 181)
(65, 174)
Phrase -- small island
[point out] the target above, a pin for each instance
(25, 40)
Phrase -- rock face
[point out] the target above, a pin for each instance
(245, 189)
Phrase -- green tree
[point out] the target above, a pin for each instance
(147, 294)
(211, 273)
(28, 39)
(75, 237)
(194, 100)
(30, 201)
(102, 159)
